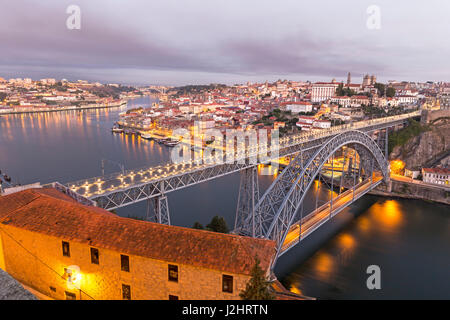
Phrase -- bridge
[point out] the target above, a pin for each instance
(362, 148)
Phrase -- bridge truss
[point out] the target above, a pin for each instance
(275, 211)
(273, 215)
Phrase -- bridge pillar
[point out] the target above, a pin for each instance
(160, 207)
(248, 198)
(158, 210)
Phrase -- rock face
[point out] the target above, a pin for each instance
(426, 148)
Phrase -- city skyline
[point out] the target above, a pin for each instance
(164, 43)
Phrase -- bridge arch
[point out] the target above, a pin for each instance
(276, 210)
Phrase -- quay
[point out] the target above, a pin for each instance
(60, 109)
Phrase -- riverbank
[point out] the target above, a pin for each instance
(414, 190)
(60, 109)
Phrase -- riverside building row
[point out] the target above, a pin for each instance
(65, 250)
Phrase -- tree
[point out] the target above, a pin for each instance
(381, 88)
(218, 224)
(257, 288)
(390, 92)
(2, 96)
(198, 225)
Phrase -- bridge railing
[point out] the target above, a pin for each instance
(252, 151)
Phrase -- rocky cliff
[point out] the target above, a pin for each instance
(429, 148)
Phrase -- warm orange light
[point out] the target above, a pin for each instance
(324, 265)
(397, 166)
(295, 290)
(346, 241)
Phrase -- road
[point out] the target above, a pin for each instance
(313, 220)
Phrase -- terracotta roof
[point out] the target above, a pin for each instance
(52, 213)
(443, 171)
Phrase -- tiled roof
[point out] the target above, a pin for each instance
(50, 212)
(443, 171)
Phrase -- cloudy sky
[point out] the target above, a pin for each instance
(228, 41)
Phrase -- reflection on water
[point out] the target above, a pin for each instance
(407, 239)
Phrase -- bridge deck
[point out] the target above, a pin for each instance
(315, 219)
(121, 189)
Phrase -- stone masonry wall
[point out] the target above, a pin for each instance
(37, 261)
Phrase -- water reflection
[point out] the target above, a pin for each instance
(402, 236)
(387, 234)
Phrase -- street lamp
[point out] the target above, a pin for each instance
(73, 277)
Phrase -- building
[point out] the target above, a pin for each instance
(299, 106)
(322, 124)
(369, 80)
(66, 250)
(407, 99)
(436, 175)
(322, 91)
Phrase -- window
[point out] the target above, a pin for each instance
(227, 283)
(171, 297)
(173, 273)
(66, 249)
(70, 296)
(126, 292)
(125, 263)
(94, 256)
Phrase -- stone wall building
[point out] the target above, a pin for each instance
(66, 250)
(436, 175)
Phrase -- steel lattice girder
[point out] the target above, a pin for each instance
(145, 190)
(248, 197)
(277, 207)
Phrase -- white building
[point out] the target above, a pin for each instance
(322, 91)
(407, 99)
(436, 175)
(300, 106)
(322, 124)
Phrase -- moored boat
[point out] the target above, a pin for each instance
(117, 129)
(147, 136)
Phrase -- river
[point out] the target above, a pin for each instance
(408, 240)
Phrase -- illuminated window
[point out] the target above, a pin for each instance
(171, 297)
(126, 292)
(94, 256)
(173, 273)
(70, 296)
(125, 263)
(227, 283)
(66, 249)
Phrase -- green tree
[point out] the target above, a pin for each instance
(257, 288)
(381, 88)
(218, 224)
(198, 225)
(2, 96)
(390, 92)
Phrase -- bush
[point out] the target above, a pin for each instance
(399, 138)
(218, 224)
(257, 288)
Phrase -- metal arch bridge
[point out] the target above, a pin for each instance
(273, 215)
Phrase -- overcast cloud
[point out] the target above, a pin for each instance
(202, 41)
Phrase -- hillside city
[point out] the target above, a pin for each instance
(287, 106)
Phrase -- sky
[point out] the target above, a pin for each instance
(177, 42)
